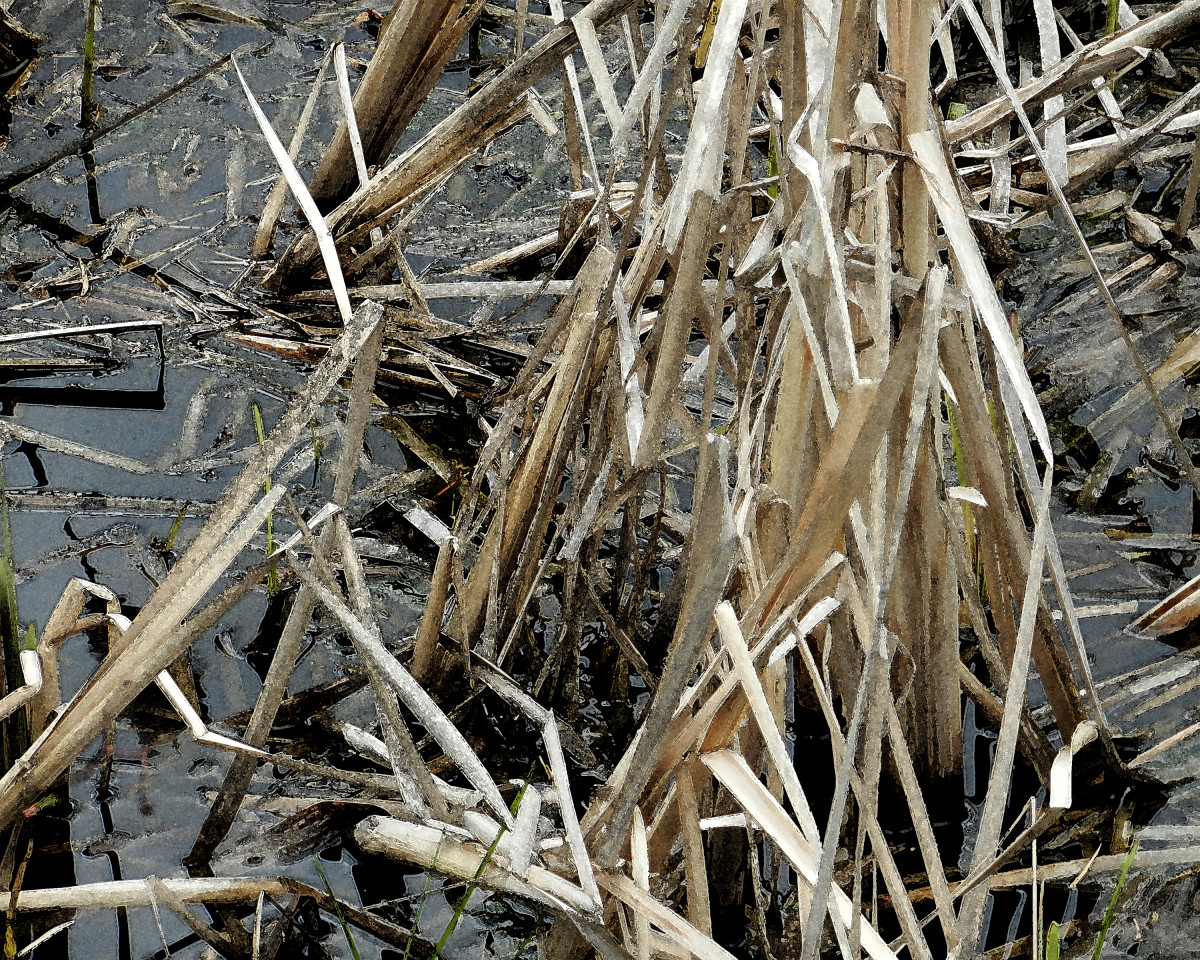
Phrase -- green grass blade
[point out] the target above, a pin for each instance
(338, 908)
(421, 904)
(174, 531)
(462, 904)
(15, 731)
(1111, 909)
(272, 577)
(86, 93)
(1052, 942)
(487, 858)
(524, 944)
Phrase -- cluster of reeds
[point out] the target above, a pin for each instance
(795, 323)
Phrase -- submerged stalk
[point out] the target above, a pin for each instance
(272, 576)
(14, 738)
(87, 105)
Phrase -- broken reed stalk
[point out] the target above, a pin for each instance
(861, 420)
(483, 117)
(867, 447)
(416, 41)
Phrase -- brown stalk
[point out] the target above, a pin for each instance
(1008, 535)
(416, 41)
(711, 548)
(864, 418)
(426, 657)
(130, 668)
(475, 123)
(237, 780)
(1095, 60)
(921, 367)
(527, 502)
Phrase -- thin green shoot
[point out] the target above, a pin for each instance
(87, 105)
(471, 887)
(483, 864)
(1110, 27)
(174, 531)
(421, 904)
(1052, 949)
(706, 38)
(318, 447)
(31, 636)
(15, 731)
(1111, 909)
(8, 580)
(48, 801)
(516, 802)
(1111, 23)
(272, 577)
(338, 909)
(524, 944)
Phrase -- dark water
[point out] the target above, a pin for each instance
(1126, 520)
(181, 189)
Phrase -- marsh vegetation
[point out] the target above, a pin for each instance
(607, 480)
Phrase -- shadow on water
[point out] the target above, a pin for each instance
(81, 395)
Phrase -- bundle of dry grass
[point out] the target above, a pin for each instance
(810, 336)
